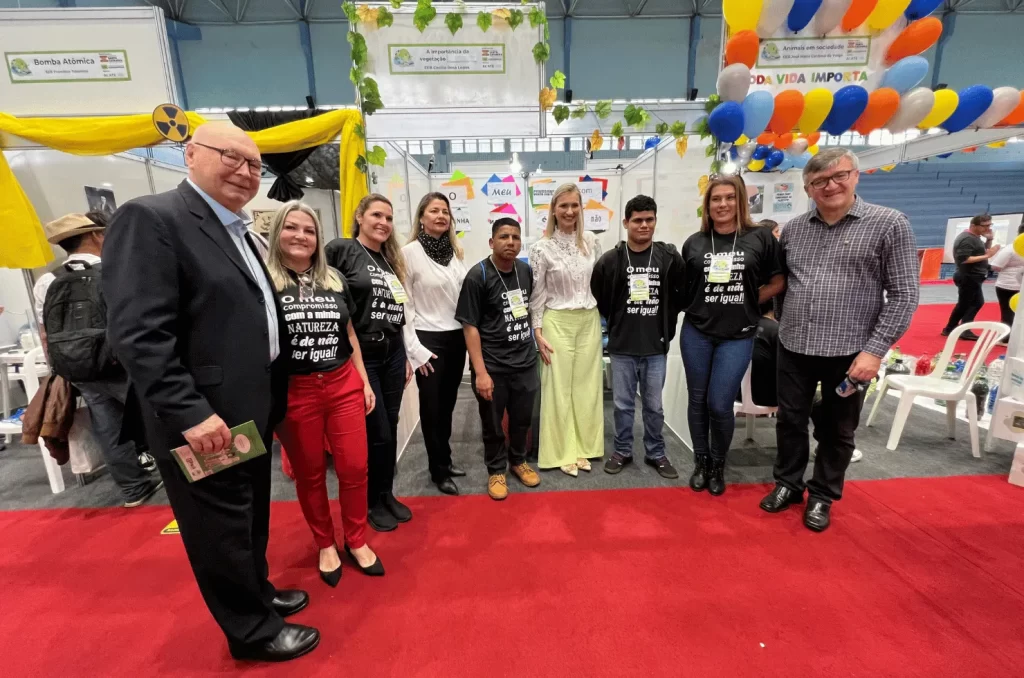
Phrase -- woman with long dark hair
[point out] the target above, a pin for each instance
(730, 268)
(433, 337)
(374, 268)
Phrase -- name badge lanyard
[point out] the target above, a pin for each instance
(517, 305)
(639, 283)
(390, 279)
(721, 264)
(306, 285)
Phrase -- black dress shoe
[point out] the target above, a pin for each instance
(289, 601)
(456, 472)
(399, 510)
(375, 570)
(294, 640)
(716, 477)
(780, 499)
(816, 515)
(448, 486)
(331, 578)
(380, 518)
(699, 479)
(664, 467)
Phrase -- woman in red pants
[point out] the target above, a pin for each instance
(329, 395)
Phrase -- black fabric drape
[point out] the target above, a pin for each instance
(285, 188)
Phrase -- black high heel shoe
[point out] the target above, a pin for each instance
(333, 577)
(375, 570)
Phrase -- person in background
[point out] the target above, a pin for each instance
(972, 250)
(433, 337)
(768, 307)
(852, 288)
(129, 465)
(494, 312)
(374, 269)
(637, 286)
(1008, 283)
(329, 394)
(567, 328)
(731, 267)
(194, 319)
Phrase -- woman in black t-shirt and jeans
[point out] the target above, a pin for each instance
(373, 265)
(329, 394)
(730, 268)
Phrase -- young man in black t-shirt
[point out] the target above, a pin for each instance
(638, 290)
(494, 311)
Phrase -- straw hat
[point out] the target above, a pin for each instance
(69, 225)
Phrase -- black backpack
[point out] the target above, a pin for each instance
(75, 318)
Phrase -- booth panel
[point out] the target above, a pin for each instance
(778, 196)
(167, 178)
(418, 182)
(677, 192)
(390, 181)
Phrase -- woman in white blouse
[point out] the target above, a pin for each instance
(433, 337)
(567, 328)
(1011, 271)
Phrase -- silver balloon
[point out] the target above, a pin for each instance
(914, 107)
(734, 82)
(745, 151)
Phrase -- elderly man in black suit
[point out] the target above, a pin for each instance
(193, 318)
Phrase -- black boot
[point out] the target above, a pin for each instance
(399, 510)
(716, 477)
(699, 479)
(380, 518)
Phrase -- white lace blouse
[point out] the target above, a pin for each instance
(561, 274)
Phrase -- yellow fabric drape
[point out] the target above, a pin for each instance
(22, 244)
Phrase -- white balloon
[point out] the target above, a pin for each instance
(797, 147)
(829, 15)
(773, 15)
(1004, 100)
(914, 107)
(733, 83)
(745, 151)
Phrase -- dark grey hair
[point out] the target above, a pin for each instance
(829, 158)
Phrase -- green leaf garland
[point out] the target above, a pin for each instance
(557, 80)
(484, 20)
(560, 113)
(603, 109)
(541, 52)
(349, 8)
(580, 112)
(385, 18)
(377, 156)
(424, 14)
(516, 18)
(453, 20)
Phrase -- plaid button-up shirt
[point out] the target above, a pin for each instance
(836, 276)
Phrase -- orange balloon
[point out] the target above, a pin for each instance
(882, 105)
(767, 139)
(784, 141)
(812, 138)
(858, 13)
(1015, 117)
(915, 38)
(742, 49)
(789, 106)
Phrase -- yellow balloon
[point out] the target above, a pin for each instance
(946, 101)
(1018, 245)
(742, 140)
(1013, 302)
(742, 15)
(817, 104)
(813, 150)
(756, 165)
(885, 13)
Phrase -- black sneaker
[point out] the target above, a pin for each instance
(145, 496)
(399, 510)
(664, 466)
(616, 463)
(147, 462)
(968, 336)
(380, 519)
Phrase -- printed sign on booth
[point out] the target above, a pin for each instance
(446, 59)
(38, 67)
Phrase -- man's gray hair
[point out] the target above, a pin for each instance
(829, 158)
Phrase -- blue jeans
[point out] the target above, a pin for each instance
(714, 371)
(649, 373)
(106, 409)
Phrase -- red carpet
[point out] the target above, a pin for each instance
(916, 578)
(923, 336)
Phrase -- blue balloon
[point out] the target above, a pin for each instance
(847, 105)
(761, 153)
(801, 160)
(974, 101)
(775, 159)
(944, 155)
(906, 74)
(734, 153)
(921, 8)
(801, 14)
(652, 143)
(726, 121)
(789, 162)
(757, 112)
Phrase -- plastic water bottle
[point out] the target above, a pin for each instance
(980, 390)
(849, 386)
(995, 377)
(950, 374)
(898, 367)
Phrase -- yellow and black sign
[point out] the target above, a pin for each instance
(172, 528)
(171, 122)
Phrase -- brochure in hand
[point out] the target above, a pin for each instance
(246, 444)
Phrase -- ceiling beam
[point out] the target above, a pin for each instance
(223, 10)
(296, 12)
(640, 8)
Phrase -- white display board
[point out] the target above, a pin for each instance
(1004, 230)
(88, 61)
(778, 196)
(483, 84)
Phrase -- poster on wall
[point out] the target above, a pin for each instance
(100, 200)
(505, 210)
(425, 59)
(755, 199)
(782, 202)
(540, 217)
(596, 217)
(37, 67)
(460, 213)
(459, 188)
(263, 219)
(541, 192)
(501, 190)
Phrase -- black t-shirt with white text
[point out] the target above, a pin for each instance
(636, 327)
(316, 329)
(728, 310)
(376, 310)
(505, 341)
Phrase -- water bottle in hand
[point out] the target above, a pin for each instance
(849, 386)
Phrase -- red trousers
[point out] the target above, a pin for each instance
(328, 406)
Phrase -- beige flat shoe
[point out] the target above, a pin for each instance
(583, 464)
(570, 470)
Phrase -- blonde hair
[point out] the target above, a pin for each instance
(743, 222)
(552, 220)
(323, 277)
(417, 227)
(391, 250)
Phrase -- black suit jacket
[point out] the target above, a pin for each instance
(186, 319)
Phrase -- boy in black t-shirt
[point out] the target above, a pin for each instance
(494, 311)
(638, 290)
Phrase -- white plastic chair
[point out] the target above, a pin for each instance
(30, 375)
(934, 386)
(747, 407)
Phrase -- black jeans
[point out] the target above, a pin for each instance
(106, 409)
(514, 393)
(1006, 314)
(835, 422)
(438, 392)
(969, 300)
(385, 366)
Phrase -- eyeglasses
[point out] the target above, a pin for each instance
(838, 177)
(234, 159)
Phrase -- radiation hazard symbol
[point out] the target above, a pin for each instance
(171, 122)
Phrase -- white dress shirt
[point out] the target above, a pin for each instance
(45, 280)
(433, 292)
(1011, 268)
(561, 274)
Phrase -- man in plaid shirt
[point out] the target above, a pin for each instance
(851, 290)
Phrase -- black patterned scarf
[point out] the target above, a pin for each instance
(438, 249)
